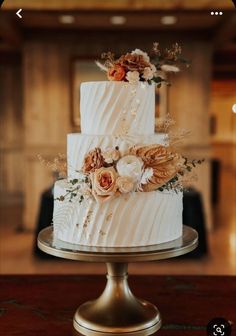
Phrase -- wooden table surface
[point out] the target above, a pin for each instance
(44, 305)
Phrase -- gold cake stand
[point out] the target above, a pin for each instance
(117, 311)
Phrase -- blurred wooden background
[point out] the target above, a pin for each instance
(37, 53)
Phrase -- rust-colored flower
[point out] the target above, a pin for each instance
(116, 73)
(93, 160)
(132, 62)
(162, 160)
(152, 154)
(104, 183)
(161, 175)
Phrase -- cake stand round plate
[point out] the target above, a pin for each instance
(117, 311)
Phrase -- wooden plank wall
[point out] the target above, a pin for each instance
(46, 117)
(11, 132)
(189, 102)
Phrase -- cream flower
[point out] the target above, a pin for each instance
(147, 73)
(110, 155)
(125, 184)
(142, 53)
(169, 68)
(131, 166)
(132, 77)
(153, 68)
(104, 183)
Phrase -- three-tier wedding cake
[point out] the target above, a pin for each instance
(119, 191)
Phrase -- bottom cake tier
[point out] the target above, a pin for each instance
(134, 219)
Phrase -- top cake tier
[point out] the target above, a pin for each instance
(117, 108)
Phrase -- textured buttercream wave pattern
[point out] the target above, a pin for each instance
(120, 222)
(116, 114)
(117, 108)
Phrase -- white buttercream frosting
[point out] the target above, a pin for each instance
(116, 114)
(117, 108)
(134, 219)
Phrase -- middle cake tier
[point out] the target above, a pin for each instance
(78, 145)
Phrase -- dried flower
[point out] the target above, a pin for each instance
(101, 66)
(173, 53)
(57, 165)
(156, 48)
(109, 57)
(93, 160)
(137, 66)
(163, 173)
(152, 154)
(164, 163)
(169, 68)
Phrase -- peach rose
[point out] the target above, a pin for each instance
(125, 184)
(104, 183)
(116, 73)
(93, 160)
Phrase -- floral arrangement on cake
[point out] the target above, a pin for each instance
(108, 174)
(138, 66)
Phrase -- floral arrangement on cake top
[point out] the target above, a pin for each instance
(109, 173)
(137, 65)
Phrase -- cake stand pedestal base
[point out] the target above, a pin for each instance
(117, 311)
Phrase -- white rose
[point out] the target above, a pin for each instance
(132, 77)
(169, 68)
(140, 52)
(147, 73)
(130, 165)
(125, 184)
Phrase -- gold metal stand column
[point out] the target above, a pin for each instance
(117, 311)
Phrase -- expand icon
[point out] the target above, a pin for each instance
(219, 327)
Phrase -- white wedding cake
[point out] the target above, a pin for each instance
(115, 114)
(123, 185)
